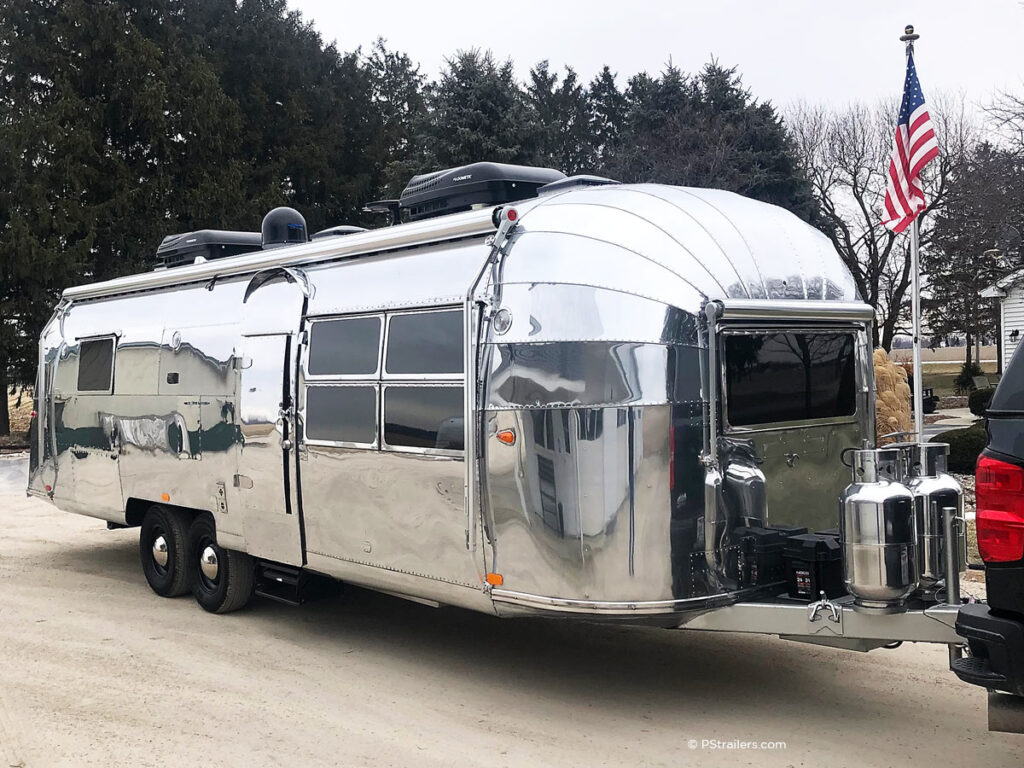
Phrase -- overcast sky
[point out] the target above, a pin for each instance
(786, 50)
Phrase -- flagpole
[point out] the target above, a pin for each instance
(909, 37)
(916, 313)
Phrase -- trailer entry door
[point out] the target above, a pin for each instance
(271, 526)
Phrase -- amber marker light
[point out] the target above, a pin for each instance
(165, 497)
(507, 436)
(495, 579)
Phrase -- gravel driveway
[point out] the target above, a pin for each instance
(95, 670)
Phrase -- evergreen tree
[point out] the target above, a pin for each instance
(607, 117)
(562, 110)
(976, 240)
(122, 122)
(398, 95)
(309, 123)
(709, 131)
(477, 111)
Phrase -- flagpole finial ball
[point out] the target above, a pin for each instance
(909, 36)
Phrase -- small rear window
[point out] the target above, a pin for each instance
(96, 365)
(789, 376)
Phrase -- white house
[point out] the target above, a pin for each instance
(1010, 292)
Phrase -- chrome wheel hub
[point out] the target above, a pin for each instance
(160, 554)
(208, 563)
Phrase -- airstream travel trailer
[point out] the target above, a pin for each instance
(539, 395)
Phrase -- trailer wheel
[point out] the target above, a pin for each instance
(222, 579)
(163, 549)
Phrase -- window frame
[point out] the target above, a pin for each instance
(385, 375)
(377, 426)
(320, 377)
(80, 341)
(381, 380)
(386, 446)
(761, 330)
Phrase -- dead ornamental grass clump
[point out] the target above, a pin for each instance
(892, 403)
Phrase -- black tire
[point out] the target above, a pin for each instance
(232, 587)
(169, 579)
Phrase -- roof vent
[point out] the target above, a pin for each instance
(204, 245)
(472, 186)
(344, 229)
(573, 182)
(283, 226)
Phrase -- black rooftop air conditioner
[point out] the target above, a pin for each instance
(185, 248)
(479, 184)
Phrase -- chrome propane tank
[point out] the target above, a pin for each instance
(878, 532)
(934, 490)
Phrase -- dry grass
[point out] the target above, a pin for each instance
(20, 418)
(952, 354)
(973, 556)
(954, 368)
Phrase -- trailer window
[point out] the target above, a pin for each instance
(96, 365)
(424, 344)
(342, 414)
(789, 376)
(424, 417)
(347, 347)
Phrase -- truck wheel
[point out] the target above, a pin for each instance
(222, 579)
(163, 549)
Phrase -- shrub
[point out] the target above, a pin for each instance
(964, 447)
(978, 401)
(963, 381)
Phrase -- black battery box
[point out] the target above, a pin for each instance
(813, 565)
(760, 556)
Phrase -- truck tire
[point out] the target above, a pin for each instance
(222, 579)
(163, 549)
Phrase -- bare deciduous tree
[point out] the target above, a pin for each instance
(846, 156)
(1007, 115)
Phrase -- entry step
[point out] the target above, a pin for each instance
(290, 584)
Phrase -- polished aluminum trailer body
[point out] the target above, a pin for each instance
(583, 334)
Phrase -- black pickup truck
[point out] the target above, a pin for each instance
(995, 631)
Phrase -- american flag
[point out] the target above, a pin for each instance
(914, 147)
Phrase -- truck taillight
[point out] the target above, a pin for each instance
(999, 490)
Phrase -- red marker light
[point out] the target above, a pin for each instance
(512, 214)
